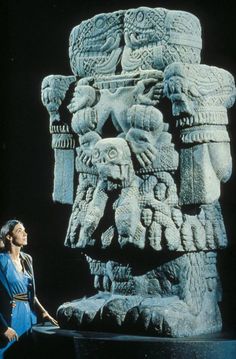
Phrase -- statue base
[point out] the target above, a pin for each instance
(50, 341)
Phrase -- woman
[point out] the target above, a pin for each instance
(18, 301)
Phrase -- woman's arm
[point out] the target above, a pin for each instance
(6, 331)
(43, 312)
(3, 324)
(37, 305)
(5, 306)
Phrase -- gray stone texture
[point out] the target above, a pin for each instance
(144, 186)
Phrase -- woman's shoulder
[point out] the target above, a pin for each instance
(26, 256)
(3, 258)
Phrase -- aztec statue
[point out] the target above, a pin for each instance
(144, 183)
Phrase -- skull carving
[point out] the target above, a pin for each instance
(112, 159)
(194, 89)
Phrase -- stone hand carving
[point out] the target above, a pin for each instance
(149, 90)
(147, 130)
(146, 213)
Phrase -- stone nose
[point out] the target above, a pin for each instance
(103, 159)
(175, 87)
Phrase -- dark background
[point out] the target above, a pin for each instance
(37, 46)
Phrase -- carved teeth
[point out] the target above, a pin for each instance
(188, 121)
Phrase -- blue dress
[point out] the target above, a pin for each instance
(22, 315)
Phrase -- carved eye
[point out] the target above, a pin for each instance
(96, 154)
(139, 16)
(112, 153)
(100, 22)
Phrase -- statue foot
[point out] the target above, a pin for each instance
(83, 313)
(155, 316)
(104, 311)
(169, 320)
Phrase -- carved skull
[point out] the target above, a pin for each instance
(176, 88)
(112, 158)
(194, 87)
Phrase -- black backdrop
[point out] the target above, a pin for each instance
(37, 41)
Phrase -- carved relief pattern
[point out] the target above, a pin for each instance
(146, 211)
(95, 45)
(155, 38)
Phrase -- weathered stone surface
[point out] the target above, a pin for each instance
(146, 212)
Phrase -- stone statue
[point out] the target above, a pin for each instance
(144, 185)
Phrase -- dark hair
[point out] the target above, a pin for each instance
(7, 228)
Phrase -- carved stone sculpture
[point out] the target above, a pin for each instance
(146, 213)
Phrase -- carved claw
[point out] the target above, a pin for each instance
(81, 314)
(138, 319)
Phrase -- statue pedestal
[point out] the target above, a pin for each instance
(51, 341)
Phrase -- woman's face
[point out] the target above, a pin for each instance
(18, 235)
